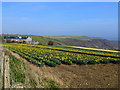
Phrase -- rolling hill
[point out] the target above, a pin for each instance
(41, 39)
(83, 41)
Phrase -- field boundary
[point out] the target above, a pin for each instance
(2, 71)
(6, 74)
(93, 49)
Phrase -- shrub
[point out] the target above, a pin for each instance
(50, 43)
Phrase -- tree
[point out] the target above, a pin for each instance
(50, 43)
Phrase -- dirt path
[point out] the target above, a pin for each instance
(77, 76)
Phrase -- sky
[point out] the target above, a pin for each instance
(60, 1)
(94, 19)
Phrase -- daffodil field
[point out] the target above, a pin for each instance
(82, 51)
(102, 52)
(52, 56)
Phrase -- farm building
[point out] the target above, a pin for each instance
(19, 39)
(35, 42)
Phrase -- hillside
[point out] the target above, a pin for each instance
(82, 41)
(41, 39)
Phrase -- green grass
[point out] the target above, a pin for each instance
(42, 40)
(51, 84)
(71, 37)
(32, 82)
(18, 74)
(17, 68)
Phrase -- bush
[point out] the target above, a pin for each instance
(50, 43)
